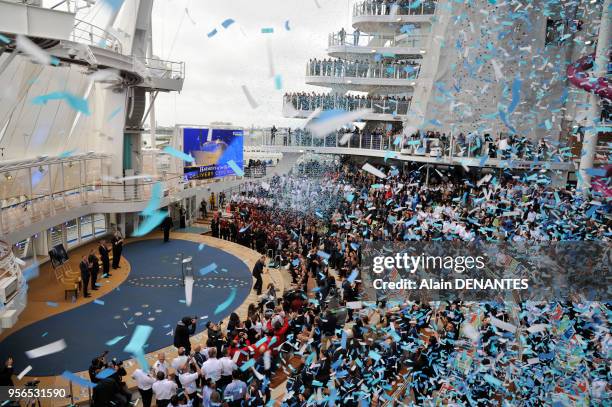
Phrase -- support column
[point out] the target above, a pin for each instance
(589, 142)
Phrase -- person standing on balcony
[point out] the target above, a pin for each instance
(342, 35)
(117, 242)
(356, 34)
(212, 201)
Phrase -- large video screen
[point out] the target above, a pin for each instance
(212, 150)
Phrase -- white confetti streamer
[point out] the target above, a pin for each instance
(34, 51)
(24, 372)
(49, 349)
(324, 127)
(503, 325)
(188, 290)
(373, 170)
(249, 97)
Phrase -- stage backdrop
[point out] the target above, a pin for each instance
(212, 149)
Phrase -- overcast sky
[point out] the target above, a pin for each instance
(217, 67)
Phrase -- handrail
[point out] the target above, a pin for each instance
(96, 36)
(175, 68)
(392, 8)
(352, 69)
(329, 102)
(358, 39)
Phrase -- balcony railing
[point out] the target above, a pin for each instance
(398, 7)
(89, 34)
(158, 68)
(332, 101)
(349, 69)
(357, 39)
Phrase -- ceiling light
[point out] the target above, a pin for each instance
(588, 42)
(422, 51)
(8, 175)
(412, 83)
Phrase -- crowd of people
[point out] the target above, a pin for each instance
(329, 101)
(337, 348)
(397, 69)
(334, 348)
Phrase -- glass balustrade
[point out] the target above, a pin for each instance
(393, 8)
(338, 68)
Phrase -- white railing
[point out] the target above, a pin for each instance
(309, 103)
(162, 69)
(378, 41)
(397, 7)
(89, 34)
(338, 68)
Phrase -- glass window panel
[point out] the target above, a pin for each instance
(99, 224)
(87, 231)
(55, 236)
(72, 232)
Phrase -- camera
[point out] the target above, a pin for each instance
(32, 383)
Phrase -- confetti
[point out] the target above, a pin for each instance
(249, 97)
(210, 268)
(323, 127)
(78, 380)
(77, 103)
(230, 299)
(188, 290)
(237, 170)
(137, 342)
(49, 349)
(227, 23)
(25, 45)
(114, 341)
(4, 39)
(212, 33)
(178, 154)
(287, 26)
(24, 372)
(267, 30)
(150, 223)
(373, 170)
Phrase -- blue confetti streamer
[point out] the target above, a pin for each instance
(52, 304)
(278, 82)
(227, 23)
(237, 170)
(115, 113)
(4, 39)
(78, 380)
(150, 223)
(267, 30)
(137, 343)
(75, 102)
(114, 341)
(246, 365)
(353, 276)
(109, 371)
(114, 4)
(287, 26)
(178, 154)
(67, 154)
(99, 302)
(208, 269)
(227, 302)
(155, 201)
(212, 33)
(516, 95)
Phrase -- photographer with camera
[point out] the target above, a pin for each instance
(184, 329)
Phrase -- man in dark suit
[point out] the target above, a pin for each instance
(95, 268)
(257, 273)
(103, 250)
(184, 328)
(117, 242)
(85, 268)
(167, 224)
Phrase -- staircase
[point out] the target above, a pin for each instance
(13, 287)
